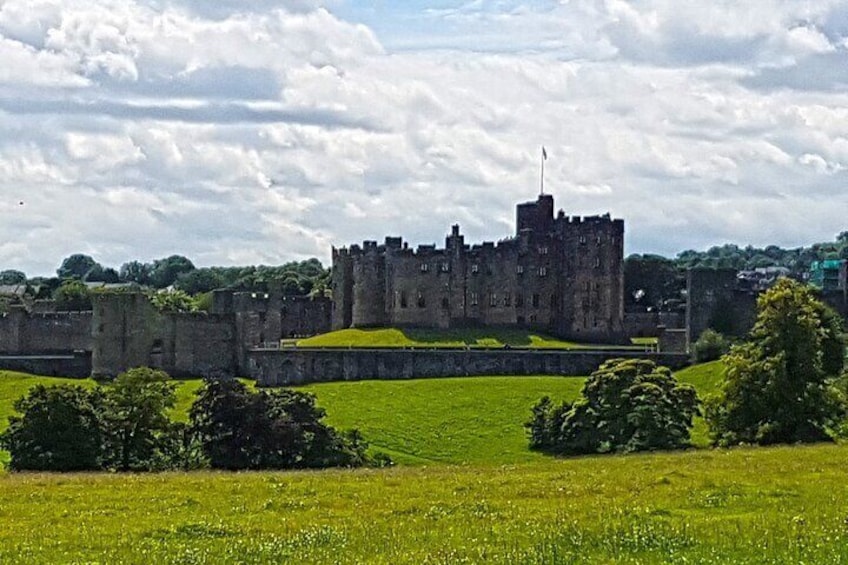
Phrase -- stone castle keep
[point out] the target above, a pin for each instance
(559, 274)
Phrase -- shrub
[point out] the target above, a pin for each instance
(710, 346)
(60, 429)
(626, 405)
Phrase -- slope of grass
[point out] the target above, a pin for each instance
(482, 337)
(777, 505)
(457, 420)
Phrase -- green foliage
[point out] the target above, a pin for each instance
(76, 266)
(650, 280)
(98, 273)
(137, 272)
(626, 405)
(12, 277)
(73, 296)
(135, 414)
(199, 281)
(166, 271)
(710, 346)
(59, 429)
(172, 301)
(778, 386)
(278, 429)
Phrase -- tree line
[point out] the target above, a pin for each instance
(657, 283)
(124, 426)
(70, 290)
(784, 384)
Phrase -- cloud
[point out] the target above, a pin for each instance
(268, 131)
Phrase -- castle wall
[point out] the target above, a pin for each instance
(301, 366)
(45, 333)
(713, 301)
(125, 328)
(369, 287)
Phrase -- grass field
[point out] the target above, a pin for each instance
(783, 505)
(503, 505)
(483, 337)
(457, 420)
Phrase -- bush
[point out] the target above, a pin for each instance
(710, 346)
(60, 429)
(277, 429)
(626, 405)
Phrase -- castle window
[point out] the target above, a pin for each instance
(519, 269)
(535, 301)
(543, 251)
(582, 239)
(597, 262)
(445, 303)
(421, 302)
(519, 300)
(425, 267)
(507, 299)
(493, 299)
(445, 267)
(532, 318)
(474, 299)
(554, 301)
(403, 299)
(475, 267)
(543, 271)
(599, 240)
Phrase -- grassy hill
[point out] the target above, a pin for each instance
(457, 420)
(745, 506)
(482, 337)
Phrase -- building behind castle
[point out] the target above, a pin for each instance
(559, 274)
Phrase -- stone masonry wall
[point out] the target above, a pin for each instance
(300, 366)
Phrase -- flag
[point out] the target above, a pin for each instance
(544, 153)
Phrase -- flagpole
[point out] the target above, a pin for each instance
(542, 184)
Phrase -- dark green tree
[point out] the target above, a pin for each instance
(98, 273)
(778, 386)
(59, 429)
(199, 281)
(72, 295)
(165, 271)
(136, 405)
(76, 266)
(241, 429)
(12, 277)
(137, 272)
(626, 405)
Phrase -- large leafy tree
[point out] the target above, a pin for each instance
(241, 429)
(165, 271)
(626, 405)
(59, 429)
(136, 405)
(72, 295)
(76, 266)
(12, 276)
(778, 386)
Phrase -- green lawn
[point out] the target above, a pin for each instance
(757, 506)
(456, 420)
(483, 337)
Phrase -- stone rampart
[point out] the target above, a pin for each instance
(301, 366)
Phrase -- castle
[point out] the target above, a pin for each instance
(559, 274)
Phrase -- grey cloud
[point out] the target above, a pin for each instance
(825, 72)
(204, 113)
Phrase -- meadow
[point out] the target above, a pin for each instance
(466, 490)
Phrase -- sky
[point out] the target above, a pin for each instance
(238, 133)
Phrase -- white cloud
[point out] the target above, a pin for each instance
(268, 131)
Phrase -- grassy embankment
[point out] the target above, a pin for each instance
(483, 337)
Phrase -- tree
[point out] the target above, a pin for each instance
(165, 271)
(649, 280)
(100, 274)
(626, 405)
(12, 277)
(778, 386)
(136, 405)
(137, 272)
(710, 346)
(199, 281)
(76, 266)
(240, 429)
(59, 429)
(72, 295)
